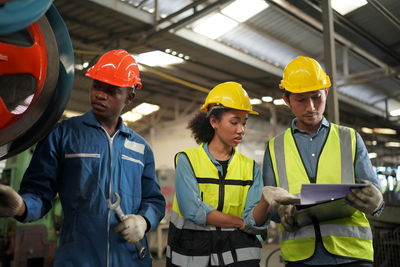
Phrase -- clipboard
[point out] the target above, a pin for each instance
(322, 202)
(333, 209)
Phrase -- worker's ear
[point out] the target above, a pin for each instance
(131, 95)
(213, 121)
(286, 99)
(326, 91)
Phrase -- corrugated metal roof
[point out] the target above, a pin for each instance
(274, 36)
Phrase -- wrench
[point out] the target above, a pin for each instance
(121, 216)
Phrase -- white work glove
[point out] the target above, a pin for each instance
(275, 196)
(10, 202)
(286, 214)
(366, 199)
(132, 228)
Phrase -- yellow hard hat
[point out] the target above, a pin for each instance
(230, 95)
(304, 74)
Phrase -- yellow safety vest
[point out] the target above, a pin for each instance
(210, 244)
(227, 195)
(349, 236)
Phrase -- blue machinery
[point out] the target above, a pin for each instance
(36, 77)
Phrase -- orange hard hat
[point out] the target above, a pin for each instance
(118, 68)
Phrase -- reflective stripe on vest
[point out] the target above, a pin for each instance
(350, 236)
(243, 254)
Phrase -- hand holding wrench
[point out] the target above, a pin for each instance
(121, 216)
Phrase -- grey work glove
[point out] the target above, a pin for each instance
(132, 228)
(10, 201)
(286, 214)
(366, 199)
(275, 196)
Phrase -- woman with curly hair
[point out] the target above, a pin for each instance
(217, 211)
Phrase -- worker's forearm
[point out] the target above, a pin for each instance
(219, 219)
(260, 212)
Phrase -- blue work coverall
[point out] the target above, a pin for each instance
(84, 165)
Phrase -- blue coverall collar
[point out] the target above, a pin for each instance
(90, 119)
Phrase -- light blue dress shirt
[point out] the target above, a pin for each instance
(310, 146)
(190, 203)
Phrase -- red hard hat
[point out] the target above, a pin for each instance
(116, 67)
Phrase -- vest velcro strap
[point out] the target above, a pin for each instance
(346, 231)
(226, 181)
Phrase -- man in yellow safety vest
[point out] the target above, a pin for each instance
(313, 150)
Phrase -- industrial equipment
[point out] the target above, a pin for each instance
(29, 244)
(386, 227)
(36, 72)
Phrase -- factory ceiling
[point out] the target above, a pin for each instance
(253, 52)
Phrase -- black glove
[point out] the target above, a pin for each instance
(10, 201)
(366, 199)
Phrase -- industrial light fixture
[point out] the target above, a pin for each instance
(372, 155)
(267, 99)
(242, 10)
(378, 130)
(215, 25)
(146, 108)
(174, 53)
(384, 131)
(395, 112)
(139, 111)
(392, 144)
(131, 116)
(70, 113)
(371, 143)
(279, 102)
(367, 130)
(158, 58)
(345, 6)
(255, 101)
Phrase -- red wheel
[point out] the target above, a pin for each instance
(30, 60)
(28, 55)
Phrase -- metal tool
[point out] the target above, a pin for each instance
(121, 216)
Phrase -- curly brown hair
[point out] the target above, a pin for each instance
(202, 131)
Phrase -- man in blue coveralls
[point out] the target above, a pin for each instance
(85, 160)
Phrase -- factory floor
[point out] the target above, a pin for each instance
(274, 260)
